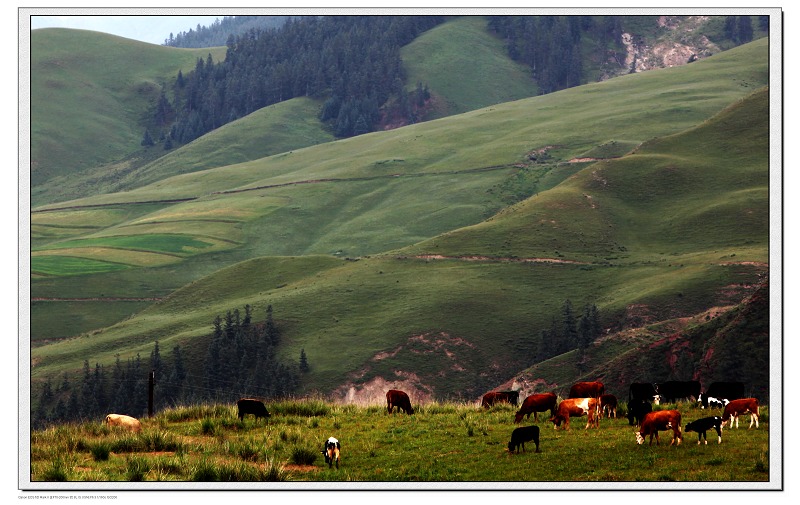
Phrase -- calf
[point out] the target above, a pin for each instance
(576, 407)
(331, 452)
(608, 402)
(660, 420)
(249, 406)
(637, 409)
(399, 399)
(521, 435)
(741, 406)
(535, 404)
(702, 425)
(123, 421)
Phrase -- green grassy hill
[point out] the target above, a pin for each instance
(89, 93)
(593, 233)
(465, 67)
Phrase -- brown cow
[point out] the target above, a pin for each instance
(608, 402)
(742, 406)
(399, 399)
(660, 420)
(587, 390)
(535, 404)
(492, 397)
(576, 407)
(123, 421)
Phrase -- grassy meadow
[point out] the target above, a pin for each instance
(441, 442)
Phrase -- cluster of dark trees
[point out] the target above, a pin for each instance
(353, 61)
(739, 29)
(552, 45)
(240, 360)
(570, 331)
(217, 33)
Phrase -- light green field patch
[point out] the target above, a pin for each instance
(67, 265)
(122, 256)
(228, 208)
(165, 243)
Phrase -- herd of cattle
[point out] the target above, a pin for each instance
(585, 399)
(589, 399)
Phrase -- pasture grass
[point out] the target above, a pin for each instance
(441, 442)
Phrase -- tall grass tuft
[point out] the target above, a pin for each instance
(57, 472)
(100, 451)
(303, 455)
(136, 468)
(303, 408)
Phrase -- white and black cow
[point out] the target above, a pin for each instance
(701, 426)
(719, 394)
(331, 452)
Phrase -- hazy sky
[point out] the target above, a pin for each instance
(154, 29)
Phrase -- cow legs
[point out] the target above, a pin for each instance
(752, 418)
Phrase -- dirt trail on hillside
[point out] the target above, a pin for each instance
(493, 259)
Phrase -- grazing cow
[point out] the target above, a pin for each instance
(672, 391)
(251, 406)
(660, 420)
(123, 421)
(535, 404)
(738, 407)
(637, 409)
(576, 407)
(331, 452)
(521, 435)
(608, 402)
(493, 397)
(701, 426)
(587, 390)
(718, 392)
(645, 391)
(399, 399)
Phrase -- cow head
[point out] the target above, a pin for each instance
(639, 438)
(656, 399)
(557, 420)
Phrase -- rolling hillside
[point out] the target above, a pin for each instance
(89, 91)
(469, 233)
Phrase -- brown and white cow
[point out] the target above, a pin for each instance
(587, 390)
(608, 402)
(660, 420)
(576, 407)
(534, 404)
(742, 406)
(493, 397)
(123, 421)
(399, 399)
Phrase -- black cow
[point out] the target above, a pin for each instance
(637, 409)
(671, 391)
(521, 435)
(702, 425)
(250, 406)
(645, 391)
(718, 392)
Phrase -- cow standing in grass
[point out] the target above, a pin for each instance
(249, 406)
(331, 452)
(741, 406)
(701, 426)
(521, 435)
(576, 407)
(660, 420)
(399, 399)
(535, 404)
